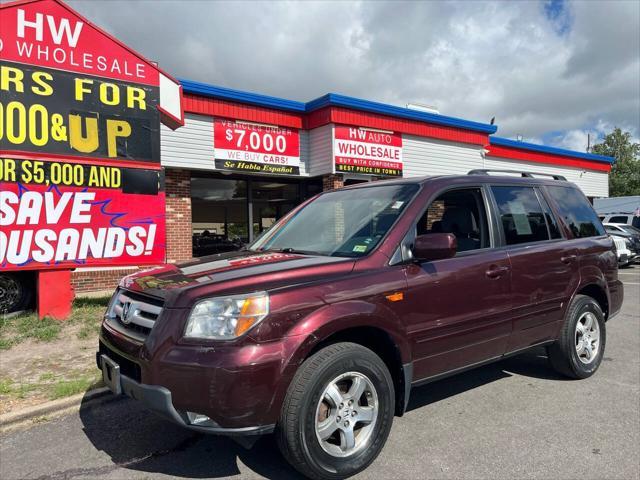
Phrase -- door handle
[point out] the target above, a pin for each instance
(568, 259)
(496, 272)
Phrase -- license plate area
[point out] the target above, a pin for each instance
(111, 374)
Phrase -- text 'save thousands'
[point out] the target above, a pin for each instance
(57, 214)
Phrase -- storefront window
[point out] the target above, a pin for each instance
(223, 207)
(219, 215)
(270, 201)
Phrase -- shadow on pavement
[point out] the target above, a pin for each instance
(138, 440)
(532, 364)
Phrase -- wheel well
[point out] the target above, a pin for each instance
(599, 295)
(381, 343)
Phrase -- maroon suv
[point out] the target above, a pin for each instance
(319, 329)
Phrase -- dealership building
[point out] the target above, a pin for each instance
(243, 160)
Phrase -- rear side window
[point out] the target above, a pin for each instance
(618, 219)
(554, 230)
(576, 211)
(521, 215)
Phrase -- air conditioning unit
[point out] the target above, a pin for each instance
(421, 107)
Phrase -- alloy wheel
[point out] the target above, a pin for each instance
(10, 293)
(346, 414)
(587, 337)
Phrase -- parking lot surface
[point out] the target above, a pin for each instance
(512, 419)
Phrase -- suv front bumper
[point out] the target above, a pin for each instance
(158, 399)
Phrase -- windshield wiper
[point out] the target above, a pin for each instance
(291, 250)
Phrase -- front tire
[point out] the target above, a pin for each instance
(579, 350)
(337, 413)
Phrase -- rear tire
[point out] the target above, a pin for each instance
(579, 350)
(16, 292)
(337, 413)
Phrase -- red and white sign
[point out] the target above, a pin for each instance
(364, 151)
(47, 33)
(241, 142)
(68, 227)
(74, 189)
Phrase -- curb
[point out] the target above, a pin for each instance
(10, 420)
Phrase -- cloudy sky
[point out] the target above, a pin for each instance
(549, 71)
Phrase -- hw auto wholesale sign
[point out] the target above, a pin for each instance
(251, 147)
(364, 151)
(80, 176)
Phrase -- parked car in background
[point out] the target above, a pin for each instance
(629, 235)
(318, 330)
(622, 251)
(207, 243)
(632, 219)
(626, 228)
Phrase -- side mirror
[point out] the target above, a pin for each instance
(434, 246)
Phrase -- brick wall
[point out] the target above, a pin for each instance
(96, 280)
(331, 182)
(434, 213)
(178, 191)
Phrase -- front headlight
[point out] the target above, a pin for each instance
(226, 318)
(627, 242)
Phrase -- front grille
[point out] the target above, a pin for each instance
(127, 367)
(133, 314)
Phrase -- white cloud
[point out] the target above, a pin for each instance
(473, 60)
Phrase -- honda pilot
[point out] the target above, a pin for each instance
(318, 331)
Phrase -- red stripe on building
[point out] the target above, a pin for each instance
(382, 122)
(237, 111)
(560, 160)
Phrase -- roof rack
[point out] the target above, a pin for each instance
(523, 174)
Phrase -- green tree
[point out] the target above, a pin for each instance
(625, 172)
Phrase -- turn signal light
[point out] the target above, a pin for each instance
(395, 297)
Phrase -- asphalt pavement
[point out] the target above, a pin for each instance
(512, 419)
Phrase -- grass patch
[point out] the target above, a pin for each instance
(24, 389)
(66, 388)
(47, 376)
(5, 387)
(86, 312)
(88, 330)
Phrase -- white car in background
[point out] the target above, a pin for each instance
(623, 253)
(632, 219)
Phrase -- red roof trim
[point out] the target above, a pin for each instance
(560, 160)
(239, 111)
(411, 127)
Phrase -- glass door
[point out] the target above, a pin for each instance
(270, 200)
(219, 215)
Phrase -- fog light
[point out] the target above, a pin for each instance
(200, 420)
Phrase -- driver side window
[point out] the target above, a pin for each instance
(460, 212)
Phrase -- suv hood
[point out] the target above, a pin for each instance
(235, 270)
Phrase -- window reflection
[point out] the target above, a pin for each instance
(271, 201)
(219, 215)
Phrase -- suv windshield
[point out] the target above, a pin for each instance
(342, 223)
